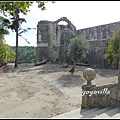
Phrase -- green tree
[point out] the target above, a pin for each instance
(2, 54)
(113, 48)
(11, 55)
(4, 23)
(5, 52)
(9, 8)
(77, 49)
(12, 9)
(26, 53)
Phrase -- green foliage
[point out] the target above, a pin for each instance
(11, 55)
(4, 23)
(113, 48)
(41, 4)
(25, 53)
(5, 52)
(2, 52)
(78, 48)
(9, 9)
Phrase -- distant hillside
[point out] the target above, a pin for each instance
(25, 53)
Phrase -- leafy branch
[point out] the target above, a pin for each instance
(25, 30)
(16, 23)
(25, 39)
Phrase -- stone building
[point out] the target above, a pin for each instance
(53, 40)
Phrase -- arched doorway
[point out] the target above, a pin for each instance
(64, 32)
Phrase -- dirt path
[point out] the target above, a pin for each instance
(44, 91)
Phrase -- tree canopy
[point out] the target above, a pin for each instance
(113, 48)
(25, 53)
(5, 53)
(9, 9)
(78, 48)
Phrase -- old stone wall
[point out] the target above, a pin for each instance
(43, 41)
(99, 32)
(103, 96)
(95, 58)
(42, 53)
(55, 38)
(99, 37)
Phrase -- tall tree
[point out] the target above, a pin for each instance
(77, 49)
(113, 48)
(12, 9)
(9, 8)
(4, 23)
(5, 53)
(113, 52)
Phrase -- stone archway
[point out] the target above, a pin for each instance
(65, 32)
(70, 25)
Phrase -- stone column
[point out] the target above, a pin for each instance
(89, 74)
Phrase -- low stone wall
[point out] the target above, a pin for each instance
(100, 96)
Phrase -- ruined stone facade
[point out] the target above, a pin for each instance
(53, 41)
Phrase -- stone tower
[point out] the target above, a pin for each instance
(52, 39)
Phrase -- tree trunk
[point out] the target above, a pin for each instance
(16, 30)
(74, 64)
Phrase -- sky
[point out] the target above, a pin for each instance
(82, 14)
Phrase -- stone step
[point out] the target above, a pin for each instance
(88, 112)
(96, 113)
(109, 113)
(91, 113)
(72, 114)
(116, 115)
(83, 110)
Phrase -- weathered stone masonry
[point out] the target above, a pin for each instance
(99, 37)
(53, 40)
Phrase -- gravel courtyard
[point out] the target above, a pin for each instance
(44, 91)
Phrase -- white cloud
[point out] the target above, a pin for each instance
(82, 14)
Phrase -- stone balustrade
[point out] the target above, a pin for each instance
(100, 96)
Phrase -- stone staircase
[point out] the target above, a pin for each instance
(92, 102)
(100, 113)
(92, 113)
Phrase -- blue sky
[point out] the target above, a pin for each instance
(82, 14)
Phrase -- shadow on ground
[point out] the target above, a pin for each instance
(102, 72)
(71, 80)
(41, 69)
(21, 68)
(53, 68)
(50, 68)
(107, 73)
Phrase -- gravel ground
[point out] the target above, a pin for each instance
(44, 91)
